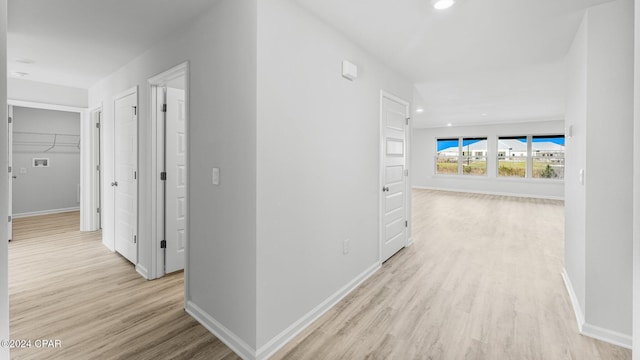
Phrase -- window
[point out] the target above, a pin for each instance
(474, 156)
(461, 156)
(512, 156)
(447, 156)
(538, 157)
(547, 154)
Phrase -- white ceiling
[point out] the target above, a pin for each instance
(78, 42)
(502, 58)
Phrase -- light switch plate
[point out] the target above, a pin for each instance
(215, 178)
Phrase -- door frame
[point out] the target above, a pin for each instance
(88, 190)
(157, 166)
(97, 181)
(409, 241)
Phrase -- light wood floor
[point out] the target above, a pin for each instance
(66, 285)
(482, 281)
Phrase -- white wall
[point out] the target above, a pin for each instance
(318, 166)
(4, 187)
(424, 152)
(33, 91)
(46, 188)
(636, 191)
(220, 46)
(609, 208)
(602, 114)
(575, 150)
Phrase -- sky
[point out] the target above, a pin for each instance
(448, 143)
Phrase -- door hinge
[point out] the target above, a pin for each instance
(163, 175)
(9, 218)
(98, 125)
(406, 223)
(98, 167)
(10, 119)
(98, 210)
(406, 172)
(164, 107)
(9, 168)
(135, 175)
(408, 120)
(135, 110)
(163, 244)
(135, 239)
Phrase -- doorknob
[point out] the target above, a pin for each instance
(15, 177)
(386, 188)
(115, 183)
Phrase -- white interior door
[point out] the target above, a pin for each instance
(126, 176)
(10, 173)
(176, 183)
(394, 184)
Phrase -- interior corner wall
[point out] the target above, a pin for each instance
(636, 190)
(318, 167)
(37, 92)
(609, 217)
(4, 192)
(575, 150)
(220, 45)
(599, 239)
(424, 154)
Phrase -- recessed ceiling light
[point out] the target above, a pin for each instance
(449, 124)
(419, 110)
(483, 114)
(442, 4)
(19, 73)
(23, 61)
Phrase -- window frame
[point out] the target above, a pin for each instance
(460, 157)
(529, 158)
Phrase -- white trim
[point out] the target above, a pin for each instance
(589, 330)
(297, 327)
(612, 337)
(157, 161)
(142, 271)
(45, 212)
(410, 241)
(577, 309)
(43, 106)
(233, 341)
(497, 193)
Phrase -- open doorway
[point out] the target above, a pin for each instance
(169, 116)
(45, 156)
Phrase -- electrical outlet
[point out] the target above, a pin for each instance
(346, 246)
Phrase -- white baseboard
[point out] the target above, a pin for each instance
(45, 212)
(294, 329)
(577, 309)
(142, 271)
(410, 242)
(225, 335)
(593, 331)
(497, 193)
(606, 335)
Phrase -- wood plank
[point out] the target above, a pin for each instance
(66, 285)
(482, 281)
